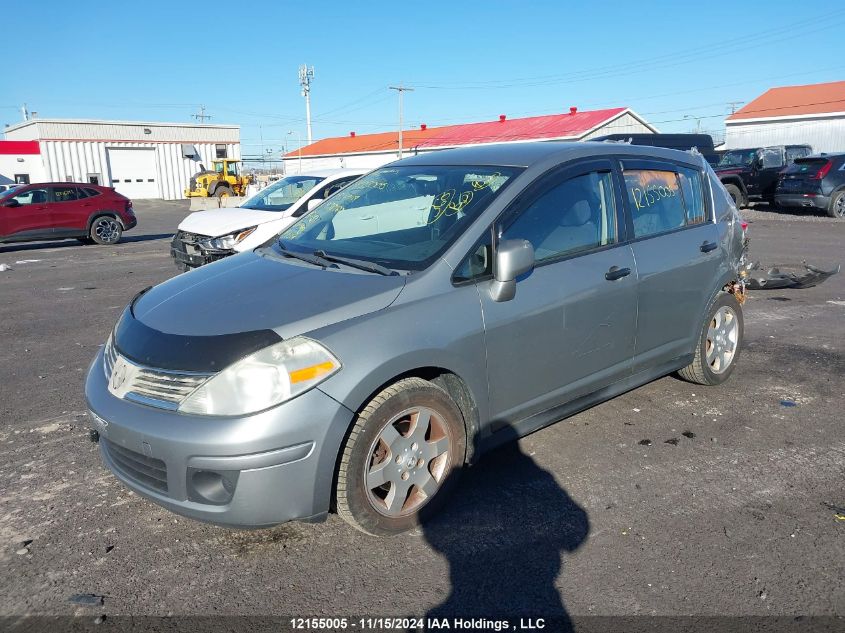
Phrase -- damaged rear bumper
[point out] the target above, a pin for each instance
(774, 278)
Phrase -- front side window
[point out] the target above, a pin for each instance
(738, 158)
(64, 194)
(576, 215)
(663, 200)
(282, 194)
(31, 196)
(401, 217)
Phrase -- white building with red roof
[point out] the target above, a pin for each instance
(373, 150)
(812, 114)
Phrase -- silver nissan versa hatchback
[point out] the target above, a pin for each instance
(433, 309)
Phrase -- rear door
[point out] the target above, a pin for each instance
(66, 211)
(30, 217)
(570, 328)
(677, 249)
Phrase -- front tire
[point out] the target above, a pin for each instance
(401, 458)
(837, 206)
(718, 344)
(106, 230)
(223, 192)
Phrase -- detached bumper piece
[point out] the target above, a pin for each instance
(187, 253)
(774, 278)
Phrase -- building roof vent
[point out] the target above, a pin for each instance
(352, 134)
(423, 127)
(502, 118)
(573, 110)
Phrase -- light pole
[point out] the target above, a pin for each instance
(299, 151)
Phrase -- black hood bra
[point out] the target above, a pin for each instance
(147, 346)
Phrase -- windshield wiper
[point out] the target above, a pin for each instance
(314, 259)
(360, 264)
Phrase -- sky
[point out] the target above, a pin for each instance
(678, 64)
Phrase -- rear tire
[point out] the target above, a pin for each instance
(411, 437)
(736, 194)
(837, 206)
(719, 343)
(106, 230)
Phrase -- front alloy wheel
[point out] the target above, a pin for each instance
(402, 456)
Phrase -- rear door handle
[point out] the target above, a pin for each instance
(367, 217)
(616, 273)
(706, 247)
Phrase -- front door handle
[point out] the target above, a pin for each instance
(616, 273)
(708, 246)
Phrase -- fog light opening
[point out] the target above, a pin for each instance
(215, 487)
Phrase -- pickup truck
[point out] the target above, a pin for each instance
(751, 174)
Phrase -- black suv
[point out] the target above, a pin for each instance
(752, 174)
(814, 181)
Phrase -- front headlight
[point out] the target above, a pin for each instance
(264, 379)
(227, 242)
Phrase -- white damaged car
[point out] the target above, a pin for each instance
(206, 236)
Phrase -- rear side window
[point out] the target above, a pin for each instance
(64, 194)
(662, 200)
(90, 193)
(796, 152)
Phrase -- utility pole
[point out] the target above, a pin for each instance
(400, 90)
(733, 105)
(201, 116)
(25, 112)
(305, 76)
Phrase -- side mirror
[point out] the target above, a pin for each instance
(513, 258)
(313, 202)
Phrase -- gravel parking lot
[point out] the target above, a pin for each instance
(673, 499)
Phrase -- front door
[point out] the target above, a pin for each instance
(570, 328)
(678, 252)
(29, 217)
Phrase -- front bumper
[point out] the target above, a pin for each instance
(187, 253)
(276, 466)
(802, 200)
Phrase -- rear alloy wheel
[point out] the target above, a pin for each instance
(837, 206)
(106, 230)
(719, 343)
(401, 458)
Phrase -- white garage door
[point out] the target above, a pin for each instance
(133, 172)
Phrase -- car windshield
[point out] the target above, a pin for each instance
(738, 158)
(401, 217)
(282, 194)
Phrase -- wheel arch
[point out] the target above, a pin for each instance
(104, 213)
(448, 380)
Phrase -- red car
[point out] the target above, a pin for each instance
(59, 210)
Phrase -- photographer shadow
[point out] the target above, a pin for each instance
(503, 533)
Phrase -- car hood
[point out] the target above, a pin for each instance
(219, 222)
(260, 291)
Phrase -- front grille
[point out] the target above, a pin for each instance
(160, 388)
(146, 471)
(190, 238)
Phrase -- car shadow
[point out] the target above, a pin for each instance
(504, 534)
(20, 247)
